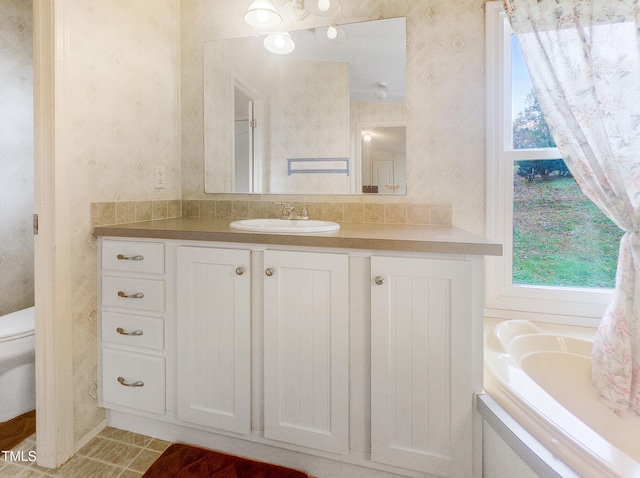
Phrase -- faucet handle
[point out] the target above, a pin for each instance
(287, 208)
(304, 213)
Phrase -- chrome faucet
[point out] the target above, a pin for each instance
(289, 211)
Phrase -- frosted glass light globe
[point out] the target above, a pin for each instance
(324, 5)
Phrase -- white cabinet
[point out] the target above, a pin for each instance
(132, 296)
(213, 338)
(421, 386)
(306, 349)
(342, 362)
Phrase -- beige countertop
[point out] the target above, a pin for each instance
(391, 237)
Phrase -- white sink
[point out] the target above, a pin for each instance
(284, 225)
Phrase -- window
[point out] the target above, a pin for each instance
(560, 251)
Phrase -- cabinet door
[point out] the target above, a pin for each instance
(306, 361)
(213, 338)
(421, 397)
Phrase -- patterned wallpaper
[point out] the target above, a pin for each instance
(445, 95)
(16, 155)
(123, 67)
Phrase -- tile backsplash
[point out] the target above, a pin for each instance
(121, 212)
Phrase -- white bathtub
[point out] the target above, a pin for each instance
(543, 379)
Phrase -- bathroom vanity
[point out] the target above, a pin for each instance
(349, 353)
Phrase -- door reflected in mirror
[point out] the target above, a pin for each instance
(265, 112)
(244, 139)
(383, 153)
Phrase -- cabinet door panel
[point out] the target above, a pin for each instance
(306, 349)
(213, 338)
(419, 328)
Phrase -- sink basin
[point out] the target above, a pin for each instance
(284, 225)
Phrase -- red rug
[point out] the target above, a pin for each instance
(185, 461)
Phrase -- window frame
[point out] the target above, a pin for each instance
(503, 299)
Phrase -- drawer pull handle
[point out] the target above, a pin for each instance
(121, 257)
(139, 295)
(379, 280)
(139, 383)
(121, 331)
(269, 271)
(239, 270)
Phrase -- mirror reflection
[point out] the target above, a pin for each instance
(296, 123)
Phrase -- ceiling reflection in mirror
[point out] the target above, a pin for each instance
(294, 123)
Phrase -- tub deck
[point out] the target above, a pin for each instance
(543, 379)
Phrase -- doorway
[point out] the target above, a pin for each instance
(381, 158)
(247, 127)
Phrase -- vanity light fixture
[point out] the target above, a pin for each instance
(280, 43)
(262, 13)
(334, 34)
(324, 5)
(323, 8)
(381, 90)
(366, 137)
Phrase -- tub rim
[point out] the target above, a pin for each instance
(561, 432)
(18, 324)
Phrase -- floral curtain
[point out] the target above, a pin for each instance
(583, 57)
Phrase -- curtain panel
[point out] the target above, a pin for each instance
(583, 58)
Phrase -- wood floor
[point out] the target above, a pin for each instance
(17, 429)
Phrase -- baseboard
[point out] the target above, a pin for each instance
(89, 436)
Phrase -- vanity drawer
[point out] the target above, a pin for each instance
(133, 380)
(133, 330)
(125, 256)
(138, 294)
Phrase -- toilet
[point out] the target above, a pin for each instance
(17, 364)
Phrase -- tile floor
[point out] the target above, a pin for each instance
(112, 454)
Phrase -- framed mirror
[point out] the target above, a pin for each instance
(294, 123)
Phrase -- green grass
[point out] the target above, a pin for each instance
(560, 237)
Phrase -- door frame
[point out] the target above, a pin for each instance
(52, 244)
(257, 167)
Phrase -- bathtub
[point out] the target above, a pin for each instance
(542, 377)
(17, 364)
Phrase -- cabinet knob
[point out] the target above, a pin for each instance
(269, 271)
(379, 280)
(239, 271)
(134, 384)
